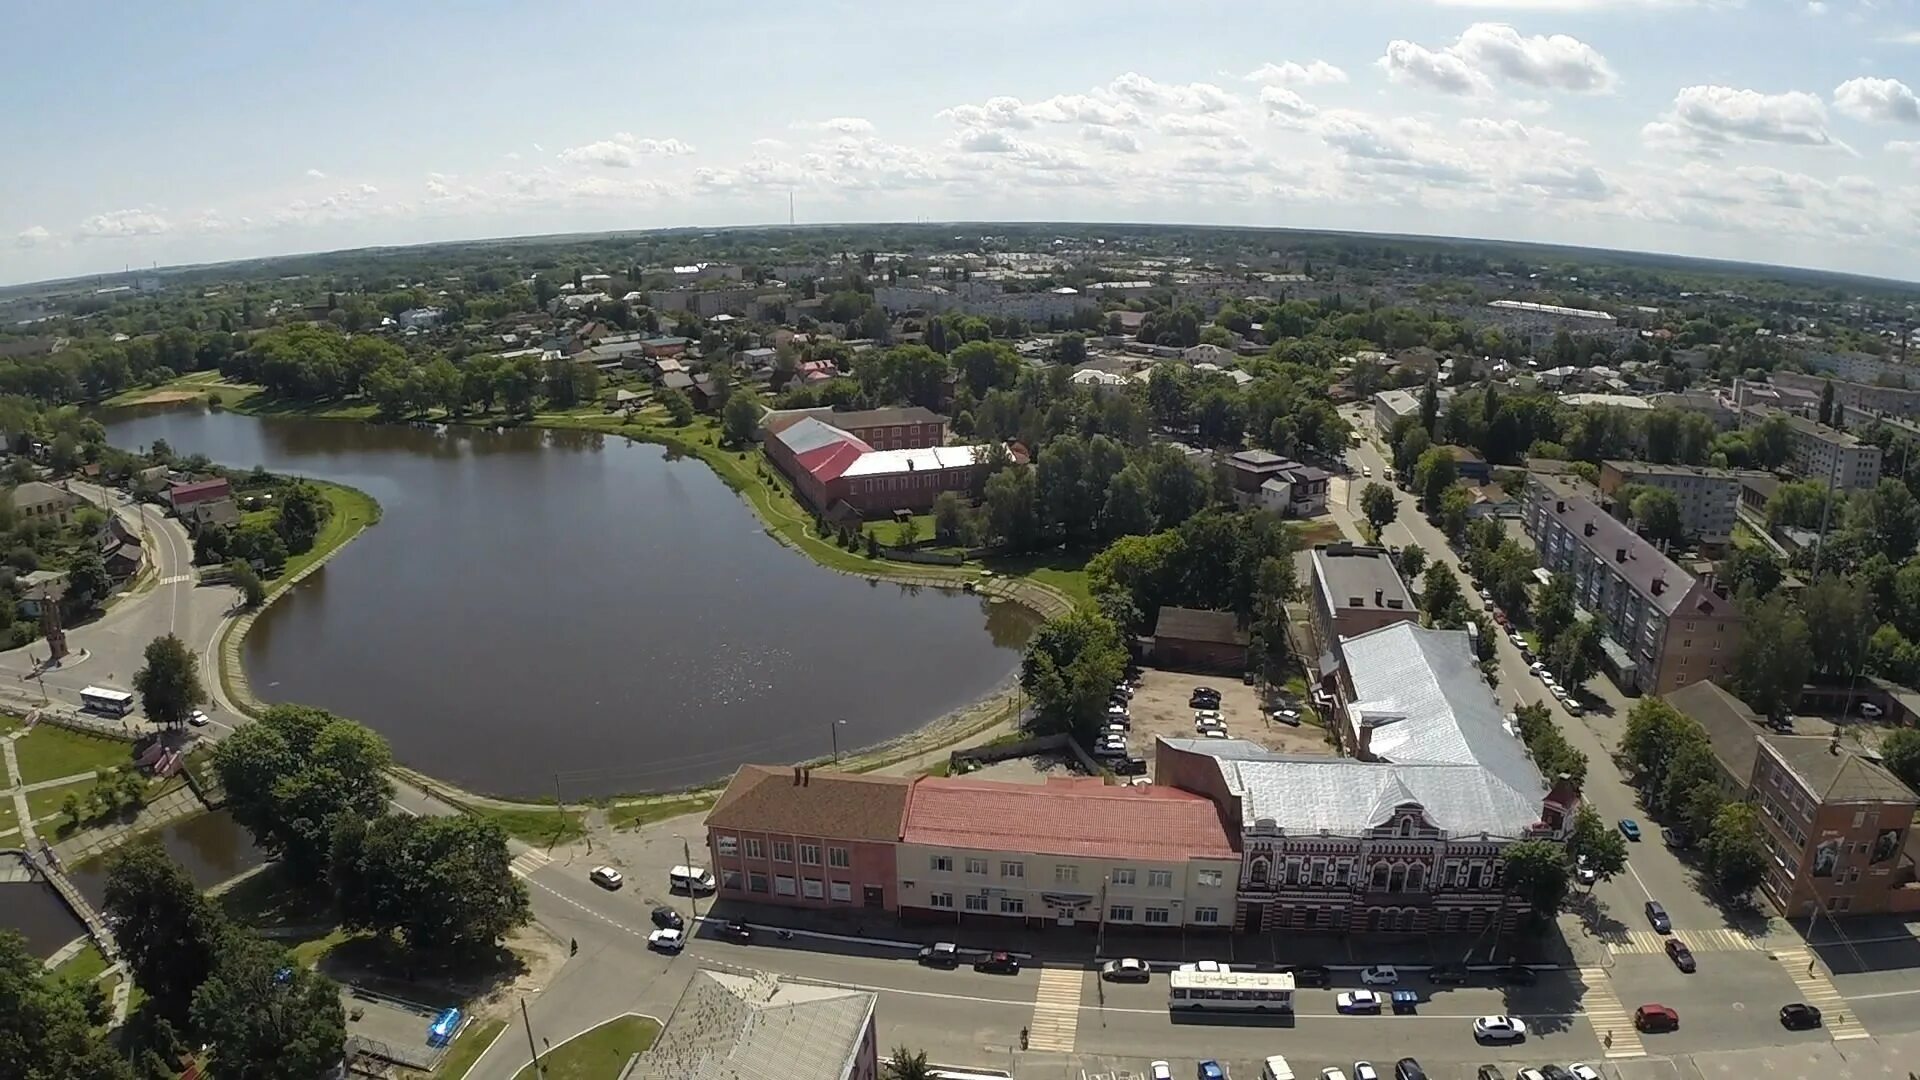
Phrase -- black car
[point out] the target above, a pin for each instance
(998, 963)
(735, 931)
(1247, 677)
(1676, 839)
(1490, 1072)
(1311, 975)
(1447, 974)
(940, 954)
(1554, 1072)
(1133, 766)
(1681, 956)
(667, 919)
(1408, 1069)
(1657, 916)
(1799, 1016)
(1204, 697)
(1518, 975)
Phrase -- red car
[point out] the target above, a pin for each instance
(1656, 1018)
(998, 963)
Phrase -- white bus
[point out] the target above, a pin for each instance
(1250, 991)
(102, 700)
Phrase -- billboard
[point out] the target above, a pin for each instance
(1885, 846)
(1825, 857)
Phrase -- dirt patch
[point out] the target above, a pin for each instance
(167, 397)
(1160, 708)
(1027, 770)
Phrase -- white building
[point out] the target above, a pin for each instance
(425, 318)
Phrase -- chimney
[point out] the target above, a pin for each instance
(806, 775)
(1587, 529)
(796, 776)
(1619, 555)
(1659, 585)
(1379, 598)
(1363, 751)
(1560, 506)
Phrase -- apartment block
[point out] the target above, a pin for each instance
(1836, 825)
(1818, 452)
(1709, 498)
(1868, 396)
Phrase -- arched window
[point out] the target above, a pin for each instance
(1416, 877)
(1379, 876)
(1406, 826)
(1259, 875)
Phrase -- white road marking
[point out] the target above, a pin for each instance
(1606, 1014)
(1056, 1009)
(1818, 990)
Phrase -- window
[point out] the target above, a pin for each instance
(1123, 876)
(841, 891)
(1209, 878)
(753, 847)
(1687, 644)
(941, 900)
(726, 845)
(1013, 869)
(1066, 875)
(1259, 875)
(1206, 914)
(1859, 818)
(976, 902)
(730, 879)
(837, 856)
(1012, 905)
(1160, 879)
(976, 866)
(783, 885)
(782, 851)
(756, 883)
(1120, 913)
(1416, 877)
(810, 854)
(1379, 876)
(943, 863)
(812, 888)
(1343, 873)
(1157, 916)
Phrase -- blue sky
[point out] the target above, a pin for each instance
(1781, 131)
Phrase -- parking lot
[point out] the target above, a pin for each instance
(1159, 707)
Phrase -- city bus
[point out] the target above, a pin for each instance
(1252, 991)
(102, 700)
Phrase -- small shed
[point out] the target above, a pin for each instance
(1195, 640)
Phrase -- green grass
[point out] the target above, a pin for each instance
(84, 966)
(49, 753)
(46, 802)
(887, 530)
(1065, 571)
(10, 722)
(541, 828)
(599, 1054)
(8, 819)
(352, 510)
(467, 1049)
(637, 814)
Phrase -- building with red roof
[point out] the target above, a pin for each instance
(1048, 853)
(183, 497)
(832, 467)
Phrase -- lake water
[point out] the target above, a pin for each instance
(210, 847)
(537, 604)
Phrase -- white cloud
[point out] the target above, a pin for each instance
(1112, 138)
(1887, 101)
(770, 144)
(1286, 108)
(1909, 147)
(32, 236)
(623, 151)
(1705, 118)
(1082, 109)
(986, 141)
(1193, 97)
(117, 224)
(1195, 127)
(1583, 5)
(998, 112)
(1313, 73)
(1904, 37)
(843, 125)
(316, 174)
(1485, 50)
(1400, 146)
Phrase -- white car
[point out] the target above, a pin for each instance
(605, 876)
(1160, 1070)
(1529, 1074)
(1537, 668)
(667, 940)
(1289, 717)
(1357, 1001)
(1379, 975)
(1332, 1074)
(1499, 1028)
(1204, 965)
(1128, 970)
(1557, 691)
(1207, 716)
(1363, 1070)
(1572, 705)
(1584, 872)
(1214, 733)
(198, 718)
(1583, 1071)
(1366, 470)
(1869, 710)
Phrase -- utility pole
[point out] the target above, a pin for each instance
(835, 729)
(560, 806)
(532, 1050)
(693, 894)
(1100, 935)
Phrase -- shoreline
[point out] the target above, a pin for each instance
(948, 731)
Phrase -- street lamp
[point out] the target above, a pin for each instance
(693, 895)
(835, 729)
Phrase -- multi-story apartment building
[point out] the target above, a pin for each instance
(1355, 590)
(1869, 396)
(1052, 854)
(1818, 452)
(1406, 835)
(1836, 824)
(1664, 628)
(1709, 498)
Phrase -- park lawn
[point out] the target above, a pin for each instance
(83, 966)
(45, 803)
(8, 818)
(467, 1049)
(538, 827)
(634, 815)
(1063, 571)
(887, 530)
(49, 753)
(598, 1054)
(10, 722)
(198, 384)
(352, 510)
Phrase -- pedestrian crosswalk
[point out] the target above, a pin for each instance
(1056, 1010)
(1646, 942)
(1612, 1024)
(527, 862)
(175, 579)
(1817, 990)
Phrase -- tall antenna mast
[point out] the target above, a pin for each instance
(789, 207)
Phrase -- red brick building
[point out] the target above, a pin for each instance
(830, 466)
(182, 497)
(807, 838)
(907, 428)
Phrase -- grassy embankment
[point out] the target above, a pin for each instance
(596, 1054)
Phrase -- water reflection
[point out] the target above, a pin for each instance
(211, 847)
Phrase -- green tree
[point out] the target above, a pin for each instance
(1826, 403)
(169, 683)
(1070, 349)
(1430, 408)
(1773, 659)
(1840, 618)
(45, 1031)
(1412, 443)
(1435, 472)
(170, 934)
(1657, 512)
(1901, 750)
(1886, 520)
(303, 512)
(679, 407)
(291, 776)
(949, 516)
(1553, 609)
(436, 882)
(1539, 871)
(1069, 671)
(1011, 498)
(738, 419)
(1770, 441)
(1455, 507)
(1597, 842)
(1754, 569)
(1413, 559)
(1378, 503)
(1735, 855)
(908, 1065)
(1655, 733)
(253, 592)
(266, 1017)
(1576, 653)
(87, 581)
(1439, 591)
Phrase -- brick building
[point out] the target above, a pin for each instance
(807, 838)
(831, 467)
(1354, 590)
(907, 428)
(1187, 639)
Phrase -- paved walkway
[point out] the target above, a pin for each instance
(178, 803)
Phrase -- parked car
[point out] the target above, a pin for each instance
(733, 930)
(1405, 1001)
(998, 963)
(1289, 717)
(1159, 1070)
(1676, 839)
(1210, 1070)
(1489, 1072)
(1204, 697)
(667, 919)
(1583, 871)
(198, 718)
(1630, 829)
(1408, 1069)
(1214, 733)
(1331, 1073)
(1310, 975)
(1447, 974)
(1205, 965)
(668, 941)
(1580, 1070)
(1657, 916)
(1133, 766)
(1656, 1018)
(1128, 970)
(1871, 711)
(1572, 705)
(1380, 975)
(1554, 1072)
(1799, 1016)
(1247, 677)
(1499, 1029)
(1681, 956)
(940, 954)
(605, 876)
(1363, 1070)
(1357, 1001)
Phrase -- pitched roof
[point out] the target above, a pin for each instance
(39, 492)
(1731, 727)
(1626, 553)
(922, 459)
(1834, 773)
(1190, 624)
(833, 805)
(759, 1027)
(1069, 817)
(824, 451)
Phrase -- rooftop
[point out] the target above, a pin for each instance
(1834, 773)
(1731, 727)
(1626, 553)
(1069, 817)
(1354, 578)
(1551, 309)
(1648, 468)
(1190, 624)
(830, 805)
(854, 418)
(923, 459)
(759, 1027)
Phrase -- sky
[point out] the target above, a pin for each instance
(1774, 131)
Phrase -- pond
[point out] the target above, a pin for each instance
(541, 608)
(210, 847)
